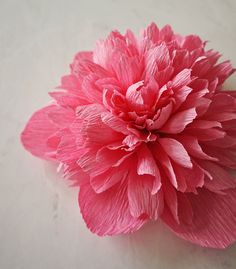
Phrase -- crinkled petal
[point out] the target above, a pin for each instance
(37, 131)
(108, 213)
(214, 219)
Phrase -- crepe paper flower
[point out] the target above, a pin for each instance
(143, 127)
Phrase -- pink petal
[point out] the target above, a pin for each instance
(225, 157)
(221, 179)
(182, 79)
(192, 42)
(141, 201)
(147, 166)
(108, 213)
(115, 123)
(189, 179)
(176, 151)
(62, 117)
(134, 96)
(37, 131)
(214, 220)
(178, 122)
(127, 69)
(164, 160)
(170, 196)
(165, 113)
(207, 135)
(151, 33)
(156, 59)
(193, 148)
(166, 33)
(106, 180)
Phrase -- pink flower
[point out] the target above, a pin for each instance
(143, 127)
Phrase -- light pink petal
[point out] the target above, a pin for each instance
(214, 220)
(181, 79)
(156, 59)
(181, 95)
(176, 151)
(127, 69)
(37, 131)
(164, 160)
(93, 129)
(178, 122)
(108, 213)
(134, 96)
(164, 115)
(106, 180)
(62, 117)
(189, 179)
(91, 91)
(147, 166)
(115, 123)
(141, 201)
(151, 33)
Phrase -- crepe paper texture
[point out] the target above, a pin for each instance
(143, 127)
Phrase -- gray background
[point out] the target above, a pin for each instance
(40, 223)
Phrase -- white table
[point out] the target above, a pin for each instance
(40, 222)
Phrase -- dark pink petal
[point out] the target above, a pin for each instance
(205, 124)
(214, 219)
(193, 147)
(222, 71)
(207, 134)
(192, 42)
(108, 213)
(37, 131)
(221, 179)
(224, 102)
(166, 33)
(225, 157)
(177, 123)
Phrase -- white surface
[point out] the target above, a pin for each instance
(40, 223)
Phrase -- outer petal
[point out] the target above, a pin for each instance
(107, 213)
(214, 220)
(37, 131)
